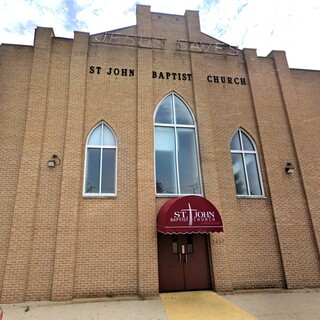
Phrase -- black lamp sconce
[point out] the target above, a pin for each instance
(55, 160)
(289, 168)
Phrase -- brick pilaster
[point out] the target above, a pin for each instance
(147, 235)
(221, 270)
(16, 272)
(65, 255)
(291, 214)
(308, 157)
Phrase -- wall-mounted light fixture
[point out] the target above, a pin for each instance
(55, 160)
(289, 168)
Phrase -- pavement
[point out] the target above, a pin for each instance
(262, 305)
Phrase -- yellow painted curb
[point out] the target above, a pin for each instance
(201, 305)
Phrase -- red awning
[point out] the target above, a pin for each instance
(189, 214)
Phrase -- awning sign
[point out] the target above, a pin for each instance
(189, 214)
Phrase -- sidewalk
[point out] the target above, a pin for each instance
(279, 305)
(105, 309)
(261, 305)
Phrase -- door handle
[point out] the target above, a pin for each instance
(183, 257)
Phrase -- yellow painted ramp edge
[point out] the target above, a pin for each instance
(201, 305)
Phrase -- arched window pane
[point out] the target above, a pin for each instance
(108, 170)
(164, 112)
(108, 137)
(253, 174)
(188, 162)
(176, 149)
(235, 142)
(100, 173)
(239, 175)
(95, 137)
(166, 181)
(164, 139)
(93, 171)
(183, 115)
(247, 144)
(245, 165)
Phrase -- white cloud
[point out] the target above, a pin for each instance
(269, 25)
(289, 25)
(102, 15)
(19, 18)
(174, 6)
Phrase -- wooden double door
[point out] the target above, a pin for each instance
(183, 262)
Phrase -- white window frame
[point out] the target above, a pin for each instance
(174, 125)
(243, 152)
(101, 147)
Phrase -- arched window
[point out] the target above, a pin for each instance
(101, 154)
(246, 168)
(176, 148)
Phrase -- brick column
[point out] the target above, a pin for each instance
(16, 272)
(221, 269)
(307, 157)
(15, 74)
(193, 25)
(271, 99)
(71, 185)
(147, 234)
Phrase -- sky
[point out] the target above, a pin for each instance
(266, 25)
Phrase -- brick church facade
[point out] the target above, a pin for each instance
(101, 134)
